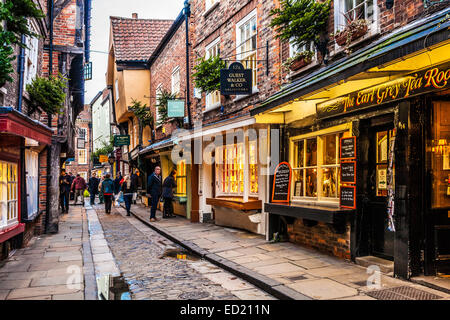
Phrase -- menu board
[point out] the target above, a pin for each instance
(281, 183)
(348, 148)
(348, 172)
(348, 197)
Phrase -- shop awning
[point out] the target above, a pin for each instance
(414, 38)
(17, 123)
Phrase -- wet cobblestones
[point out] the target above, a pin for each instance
(150, 276)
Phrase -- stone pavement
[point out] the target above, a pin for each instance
(142, 256)
(285, 270)
(52, 266)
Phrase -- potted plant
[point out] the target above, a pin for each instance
(298, 61)
(354, 29)
(302, 23)
(207, 73)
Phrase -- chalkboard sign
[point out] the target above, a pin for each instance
(348, 172)
(348, 197)
(348, 148)
(281, 183)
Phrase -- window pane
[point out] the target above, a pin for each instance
(382, 147)
(311, 152)
(329, 182)
(299, 154)
(329, 149)
(298, 183)
(311, 182)
(253, 167)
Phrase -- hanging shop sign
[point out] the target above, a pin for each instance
(348, 148)
(175, 108)
(121, 140)
(348, 197)
(281, 183)
(348, 172)
(236, 80)
(102, 158)
(423, 81)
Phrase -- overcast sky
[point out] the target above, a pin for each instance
(101, 11)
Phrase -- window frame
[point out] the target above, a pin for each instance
(345, 130)
(210, 3)
(116, 87)
(209, 102)
(175, 71)
(5, 199)
(182, 177)
(158, 92)
(84, 158)
(31, 56)
(242, 55)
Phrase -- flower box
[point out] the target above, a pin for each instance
(354, 30)
(299, 63)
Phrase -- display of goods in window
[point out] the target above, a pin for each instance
(356, 29)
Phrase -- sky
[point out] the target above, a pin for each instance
(101, 11)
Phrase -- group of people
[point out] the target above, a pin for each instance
(108, 190)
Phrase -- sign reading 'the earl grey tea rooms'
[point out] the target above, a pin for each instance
(235, 80)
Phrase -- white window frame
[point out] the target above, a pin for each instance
(294, 49)
(239, 44)
(31, 56)
(339, 19)
(210, 3)
(116, 87)
(82, 160)
(176, 71)
(32, 168)
(319, 199)
(209, 104)
(158, 91)
(84, 135)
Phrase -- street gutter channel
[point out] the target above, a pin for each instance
(272, 287)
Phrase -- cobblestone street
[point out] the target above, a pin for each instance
(138, 252)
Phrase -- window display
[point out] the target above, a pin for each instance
(8, 194)
(181, 178)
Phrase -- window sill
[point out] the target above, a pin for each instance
(211, 9)
(243, 96)
(373, 31)
(294, 74)
(212, 107)
(235, 203)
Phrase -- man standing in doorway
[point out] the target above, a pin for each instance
(154, 188)
(64, 191)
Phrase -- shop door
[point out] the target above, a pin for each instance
(382, 239)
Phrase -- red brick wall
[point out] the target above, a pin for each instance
(321, 237)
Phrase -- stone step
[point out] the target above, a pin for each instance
(386, 266)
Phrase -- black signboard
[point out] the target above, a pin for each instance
(236, 80)
(427, 80)
(348, 172)
(348, 197)
(348, 148)
(121, 140)
(282, 183)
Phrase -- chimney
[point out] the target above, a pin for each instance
(135, 15)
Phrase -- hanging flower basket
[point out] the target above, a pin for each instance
(356, 29)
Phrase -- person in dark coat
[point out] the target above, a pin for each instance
(93, 187)
(107, 189)
(72, 177)
(154, 186)
(128, 187)
(64, 191)
(167, 194)
(117, 183)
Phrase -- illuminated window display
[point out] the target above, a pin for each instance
(181, 178)
(8, 194)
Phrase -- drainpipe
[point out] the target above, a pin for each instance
(187, 13)
(21, 73)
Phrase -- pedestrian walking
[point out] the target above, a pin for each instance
(167, 194)
(107, 189)
(154, 186)
(93, 187)
(64, 191)
(128, 188)
(100, 192)
(79, 185)
(117, 183)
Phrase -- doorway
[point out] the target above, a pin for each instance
(381, 178)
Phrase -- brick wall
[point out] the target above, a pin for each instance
(321, 237)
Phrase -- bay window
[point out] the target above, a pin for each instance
(8, 194)
(316, 167)
(246, 32)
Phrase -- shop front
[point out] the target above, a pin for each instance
(22, 140)
(367, 143)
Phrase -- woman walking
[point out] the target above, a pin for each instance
(107, 190)
(168, 185)
(128, 188)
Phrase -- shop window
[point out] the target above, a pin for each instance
(8, 194)
(383, 155)
(439, 149)
(181, 178)
(230, 169)
(32, 181)
(246, 44)
(213, 98)
(315, 163)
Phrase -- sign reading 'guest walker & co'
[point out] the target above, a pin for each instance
(431, 79)
(235, 80)
(282, 183)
